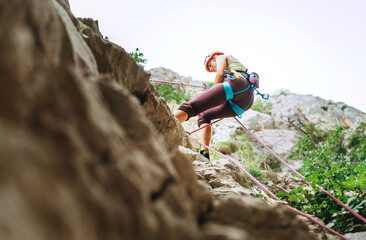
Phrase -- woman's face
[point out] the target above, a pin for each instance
(212, 65)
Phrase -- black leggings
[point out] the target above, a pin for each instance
(212, 104)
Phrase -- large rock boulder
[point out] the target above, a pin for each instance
(79, 158)
(88, 150)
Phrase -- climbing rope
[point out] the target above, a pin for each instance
(188, 88)
(204, 85)
(268, 191)
(209, 124)
(273, 153)
(301, 176)
(292, 169)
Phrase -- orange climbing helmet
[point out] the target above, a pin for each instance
(209, 57)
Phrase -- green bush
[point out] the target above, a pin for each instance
(226, 147)
(334, 164)
(138, 56)
(170, 94)
(358, 144)
(262, 106)
(210, 84)
(272, 162)
(251, 161)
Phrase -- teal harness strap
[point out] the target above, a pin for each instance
(236, 108)
(228, 90)
(242, 90)
(230, 95)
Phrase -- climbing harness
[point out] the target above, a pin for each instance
(253, 80)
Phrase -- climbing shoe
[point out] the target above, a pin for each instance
(205, 153)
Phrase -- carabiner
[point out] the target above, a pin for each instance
(264, 96)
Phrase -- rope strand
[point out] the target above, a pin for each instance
(273, 153)
(269, 192)
(185, 84)
(209, 124)
(301, 176)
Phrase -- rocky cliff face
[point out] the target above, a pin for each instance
(88, 150)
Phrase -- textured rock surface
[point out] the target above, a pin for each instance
(116, 64)
(281, 141)
(356, 236)
(249, 216)
(289, 111)
(326, 114)
(226, 181)
(222, 178)
(88, 150)
(79, 157)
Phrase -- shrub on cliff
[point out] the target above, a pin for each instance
(138, 56)
(169, 93)
(338, 165)
(262, 106)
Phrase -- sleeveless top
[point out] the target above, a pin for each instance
(234, 64)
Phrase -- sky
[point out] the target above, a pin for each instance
(315, 47)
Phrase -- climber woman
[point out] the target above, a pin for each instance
(221, 101)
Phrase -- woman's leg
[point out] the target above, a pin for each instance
(181, 115)
(206, 135)
(207, 100)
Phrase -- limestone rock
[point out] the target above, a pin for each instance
(222, 178)
(88, 150)
(165, 74)
(79, 158)
(282, 142)
(326, 114)
(257, 121)
(117, 65)
(356, 236)
(234, 194)
(249, 215)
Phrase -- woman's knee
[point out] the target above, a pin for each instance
(203, 118)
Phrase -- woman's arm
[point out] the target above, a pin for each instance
(221, 62)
